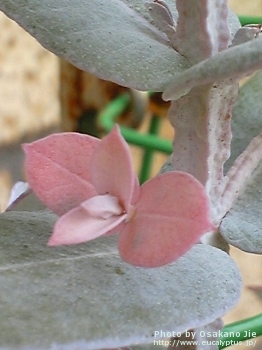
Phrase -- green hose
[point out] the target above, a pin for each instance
(242, 331)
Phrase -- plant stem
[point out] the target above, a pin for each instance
(202, 122)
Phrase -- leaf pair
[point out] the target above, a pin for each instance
(91, 183)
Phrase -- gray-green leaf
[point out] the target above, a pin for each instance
(232, 64)
(85, 297)
(116, 39)
(242, 226)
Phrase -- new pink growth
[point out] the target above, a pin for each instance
(91, 183)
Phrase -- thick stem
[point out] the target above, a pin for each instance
(188, 116)
(202, 122)
(202, 28)
(221, 102)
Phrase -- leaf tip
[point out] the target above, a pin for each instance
(53, 241)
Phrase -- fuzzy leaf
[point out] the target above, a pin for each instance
(26, 202)
(77, 226)
(113, 198)
(203, 338)
(246, 119)
(111, 39)
(116, 40)
(210, 340)
(112, 169)
(56, 170)
(20, 189)
(242, 226)
(235, 63)
(23, 199)
(166, 223)
(85, 297)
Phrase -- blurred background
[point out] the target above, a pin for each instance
(40, 94)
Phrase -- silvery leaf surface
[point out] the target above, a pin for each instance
(85, 297)
(116, 40)
(203, 338)
(27, 202)
(207, 335)
(246, 116)
(232, 64)
(242, 225)
(23, 199)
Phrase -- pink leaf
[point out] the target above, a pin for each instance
(112, 169)
(157, 223)
(58, 169)
(171, 215)
(103, 206)
(77, 226)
